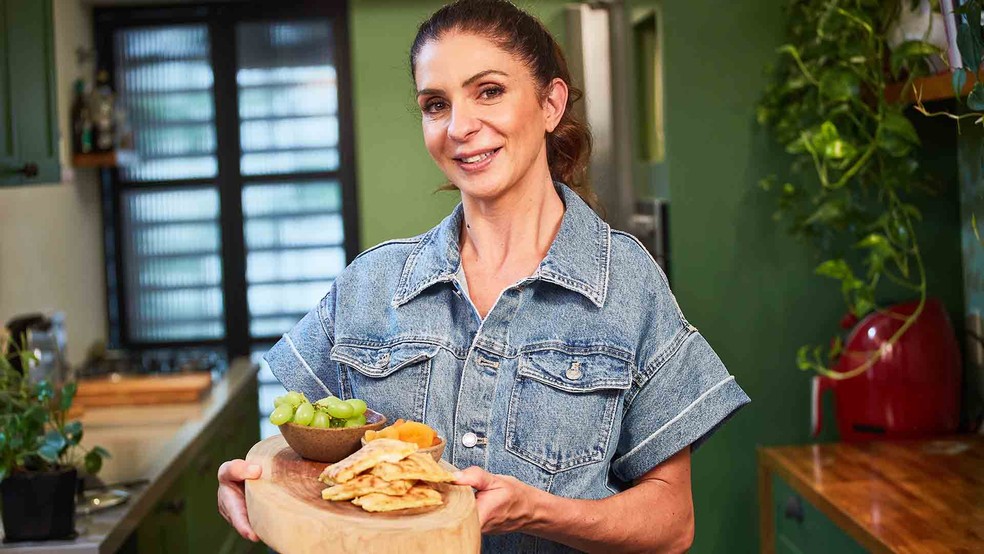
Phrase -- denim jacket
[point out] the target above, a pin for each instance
(580, 379)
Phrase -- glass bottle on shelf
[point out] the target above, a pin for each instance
(81, 121)
(104, 119)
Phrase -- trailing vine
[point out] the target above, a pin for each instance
(854, 159)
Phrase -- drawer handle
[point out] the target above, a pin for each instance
(29, 170)
(794, 508)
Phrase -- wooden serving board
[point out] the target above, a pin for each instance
(143, 389)
(287, 512)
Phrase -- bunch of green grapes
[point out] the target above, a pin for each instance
(327, 412)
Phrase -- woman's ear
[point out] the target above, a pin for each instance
(554, 103)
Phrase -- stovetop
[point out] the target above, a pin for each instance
(150, 362)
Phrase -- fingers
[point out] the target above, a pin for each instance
(236, 471)
(474, 477)
(232, 506)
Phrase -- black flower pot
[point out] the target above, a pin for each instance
(39, 505)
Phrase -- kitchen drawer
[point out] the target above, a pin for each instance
(803, 529)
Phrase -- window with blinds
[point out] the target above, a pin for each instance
(238, 212)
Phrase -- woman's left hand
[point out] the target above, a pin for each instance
(505, 504)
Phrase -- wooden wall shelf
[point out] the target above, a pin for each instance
(115, 158)
(934, 87)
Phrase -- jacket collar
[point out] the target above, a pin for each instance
(577, 260)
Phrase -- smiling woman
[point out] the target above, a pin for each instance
(544, 345)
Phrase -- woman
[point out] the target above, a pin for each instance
(544, 345)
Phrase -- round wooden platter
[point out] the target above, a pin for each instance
(287, 512)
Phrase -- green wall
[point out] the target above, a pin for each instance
(738, 278)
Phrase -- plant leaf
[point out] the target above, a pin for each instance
(56, 440)
(969, 46)
(835, 269)
(101, 451)
(45, 391)
(896, 135)
(958, 80)
(838, 85)
(827, 213)
(975, 100)
(67, 395)
(48, 453)
(801, 360)
(93, 462)
(73, 432)
(911, 51)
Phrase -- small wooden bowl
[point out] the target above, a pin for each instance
(435, 451)
(332, 444)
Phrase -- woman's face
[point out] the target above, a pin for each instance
(483, 118)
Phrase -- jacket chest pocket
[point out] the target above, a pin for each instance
(563, 407)
(393, 379)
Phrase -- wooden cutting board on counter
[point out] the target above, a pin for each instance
(143, 389)
(287, 512)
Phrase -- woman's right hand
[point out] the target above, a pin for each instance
(232, 495)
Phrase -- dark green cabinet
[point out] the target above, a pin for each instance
(28, 94)
(186, 518)
(800, 528)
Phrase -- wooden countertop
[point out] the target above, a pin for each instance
(905, 496)
(155, 443)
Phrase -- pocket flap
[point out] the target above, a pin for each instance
(380, 361)
(576, 372)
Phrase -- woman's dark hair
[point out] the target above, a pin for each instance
(522, 35)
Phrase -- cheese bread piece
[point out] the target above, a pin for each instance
(417, 466)
(374, 452)
(417, 497)
(363, 485)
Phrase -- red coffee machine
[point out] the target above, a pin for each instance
(912, 391)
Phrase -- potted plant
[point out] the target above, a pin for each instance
(39, 451)
(851, 189)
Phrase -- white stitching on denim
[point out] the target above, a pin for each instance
(290, 342)
(698, 400)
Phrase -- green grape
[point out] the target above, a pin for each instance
(358, 406)
(326, 401)
(281, 414)
(335, 422)
(356, 421)
(279, 400)
(321, 420)
(304, 414)
(340, 410)
(294, 398)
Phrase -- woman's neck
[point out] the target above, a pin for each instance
(513, 231)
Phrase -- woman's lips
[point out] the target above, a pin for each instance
(480, 164)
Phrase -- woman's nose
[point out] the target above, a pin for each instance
(463, 123)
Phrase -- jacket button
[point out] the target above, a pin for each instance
(469, 440)
(574, 372)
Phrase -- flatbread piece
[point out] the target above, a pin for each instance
(366, 484)
(421, 467)
(417, 497)
(373, 453)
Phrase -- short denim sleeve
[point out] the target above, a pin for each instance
(300, 359)
(685, 395)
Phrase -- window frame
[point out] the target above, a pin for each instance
(221, 20)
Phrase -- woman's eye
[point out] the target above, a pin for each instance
(434, 106)
(491, 92)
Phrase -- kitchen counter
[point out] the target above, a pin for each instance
(156, 443)
(901, 496)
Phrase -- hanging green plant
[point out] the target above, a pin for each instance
(854, 166)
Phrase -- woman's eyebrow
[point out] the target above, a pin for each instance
(467, 82)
